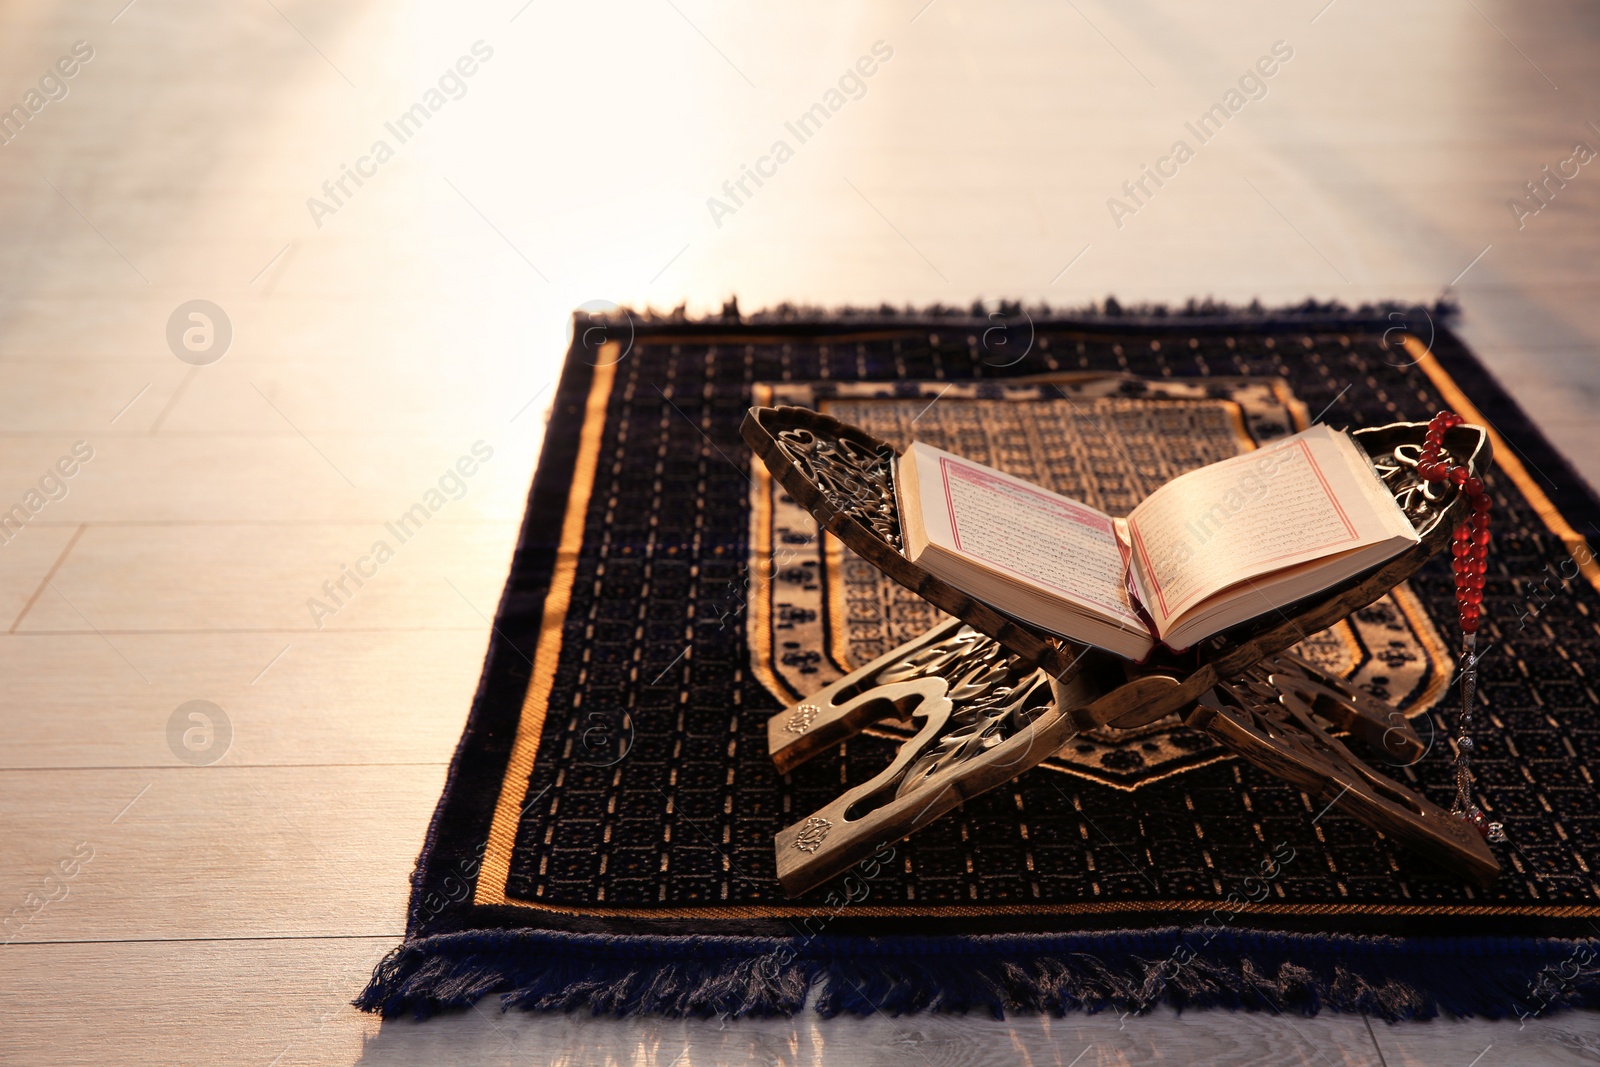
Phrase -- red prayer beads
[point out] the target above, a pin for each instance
(1471, 547)
(1469, 551)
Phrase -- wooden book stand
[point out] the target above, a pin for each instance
(995, 696)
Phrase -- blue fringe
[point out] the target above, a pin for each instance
(1391, 978)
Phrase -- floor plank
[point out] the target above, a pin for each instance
(187, 1002)
(1562, 1038)
(194, 578)
(328, 697)
(216, 851)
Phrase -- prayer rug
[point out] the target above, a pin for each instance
(605, 835)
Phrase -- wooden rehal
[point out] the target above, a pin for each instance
(993, 696)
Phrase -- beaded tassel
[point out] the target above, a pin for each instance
(1470, 551)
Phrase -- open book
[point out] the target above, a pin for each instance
(1210, 549)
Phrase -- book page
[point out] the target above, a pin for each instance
(1291, 502)
(1022, 531)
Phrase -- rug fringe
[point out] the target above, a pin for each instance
(540, 971)
(1392, 979)
(1444, 310)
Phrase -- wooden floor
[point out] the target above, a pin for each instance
(235, 877)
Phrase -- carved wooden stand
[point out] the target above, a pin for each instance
(993, 696)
